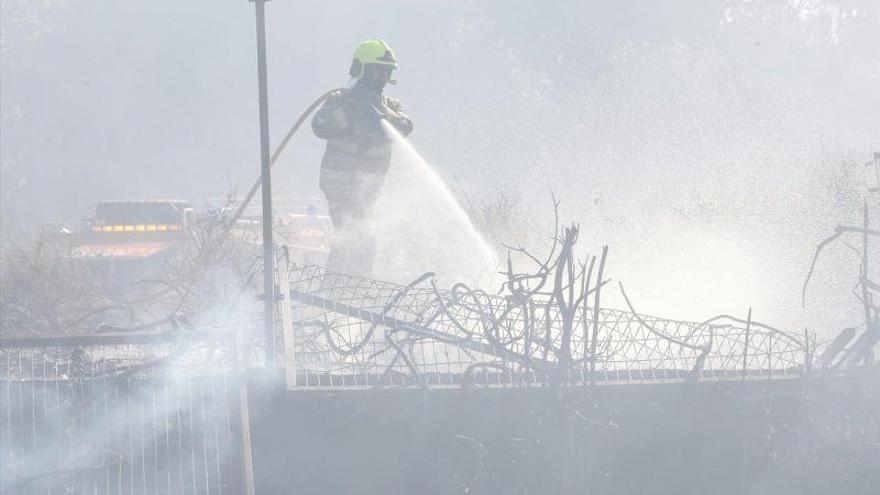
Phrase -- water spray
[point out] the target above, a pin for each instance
(415, 190)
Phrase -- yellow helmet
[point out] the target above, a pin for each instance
(371, 52)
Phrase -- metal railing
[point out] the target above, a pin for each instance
(119, 414)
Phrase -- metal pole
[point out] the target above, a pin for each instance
(244, 414)
(266, 185)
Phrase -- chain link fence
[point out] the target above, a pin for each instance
(354, 332)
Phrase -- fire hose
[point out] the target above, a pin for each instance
(280, 149)
(214, 241)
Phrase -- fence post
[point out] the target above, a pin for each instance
(746, 345)
(287, 319)
(247, 459)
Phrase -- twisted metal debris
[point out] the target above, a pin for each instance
(356, 332)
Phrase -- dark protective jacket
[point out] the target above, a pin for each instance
(355, 163)
(350, 122)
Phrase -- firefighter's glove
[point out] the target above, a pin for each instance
(392, 111)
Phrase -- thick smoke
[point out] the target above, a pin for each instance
(702, 141)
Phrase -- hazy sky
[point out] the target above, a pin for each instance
(691, 136)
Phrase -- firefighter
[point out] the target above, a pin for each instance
(358, 153)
